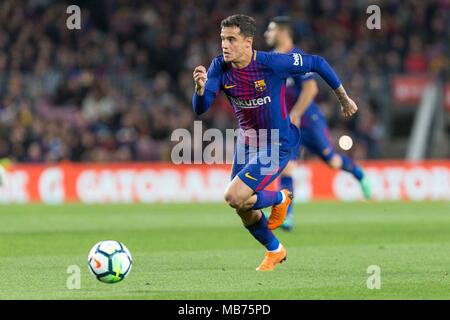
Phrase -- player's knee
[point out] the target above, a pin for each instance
(232, 199)
(335, 162)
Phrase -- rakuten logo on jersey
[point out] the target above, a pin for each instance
(251, 103)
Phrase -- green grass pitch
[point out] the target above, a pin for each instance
(201, 251)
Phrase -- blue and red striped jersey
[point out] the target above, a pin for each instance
(257, 91)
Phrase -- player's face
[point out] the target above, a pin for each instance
(271, 34)
(234, 44)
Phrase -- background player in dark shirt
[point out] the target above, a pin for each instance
(305, 113)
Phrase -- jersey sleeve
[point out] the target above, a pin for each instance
(308, 75)
(296, 64)
(202, 103)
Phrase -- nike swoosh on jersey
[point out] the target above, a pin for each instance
(247, 175)
(229, 87)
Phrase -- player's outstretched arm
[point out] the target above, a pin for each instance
(207, 85)
(319, 65)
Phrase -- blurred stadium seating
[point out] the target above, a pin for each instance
(117, 88)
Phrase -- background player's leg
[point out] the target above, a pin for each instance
(344, 162)
(287, 182)
(317, 139)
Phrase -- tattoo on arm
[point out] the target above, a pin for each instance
(340, 93)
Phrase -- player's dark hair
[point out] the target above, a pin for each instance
(284, 22)
(246, 24)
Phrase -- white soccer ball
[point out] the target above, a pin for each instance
(110, 261)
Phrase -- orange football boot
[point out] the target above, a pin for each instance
(279, 211)
(271, 259)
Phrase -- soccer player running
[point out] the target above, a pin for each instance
(305, 113)
(254, 83)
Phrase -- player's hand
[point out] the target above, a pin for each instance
(200, 77)
(348, 107)
(295, 117)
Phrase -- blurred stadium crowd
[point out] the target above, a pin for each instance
(117, 88)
